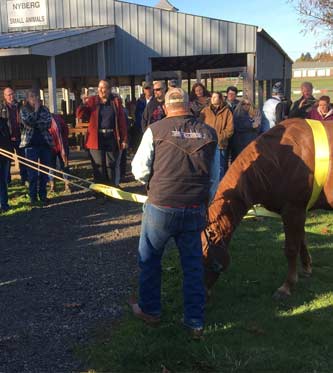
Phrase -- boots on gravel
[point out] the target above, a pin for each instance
(52, 186)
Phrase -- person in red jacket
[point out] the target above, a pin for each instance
(60, 151)
(107, 132)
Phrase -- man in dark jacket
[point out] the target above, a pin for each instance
(301, 107)
(154, 111)
(10, 111)
(178, 159)
(5, 144)
(141, 104)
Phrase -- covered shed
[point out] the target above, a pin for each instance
(71, 44)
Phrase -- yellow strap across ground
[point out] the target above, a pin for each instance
(118, 193)
(133, 197)
(322, 155)
(322, 159)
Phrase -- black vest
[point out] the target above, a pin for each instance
(184, 150)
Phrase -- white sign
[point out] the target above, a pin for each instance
(22, 13)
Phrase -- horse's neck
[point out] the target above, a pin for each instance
(225, 214)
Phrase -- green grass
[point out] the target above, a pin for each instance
(246, 330)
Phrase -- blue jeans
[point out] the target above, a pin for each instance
(53, 164)
(185, 225)
(38, 180)
(223, 162)
(23, 169)
(4, 169)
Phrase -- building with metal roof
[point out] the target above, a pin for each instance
(72, 44)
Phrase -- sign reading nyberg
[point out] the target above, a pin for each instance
(22, 13)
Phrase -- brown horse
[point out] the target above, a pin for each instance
(277, 171)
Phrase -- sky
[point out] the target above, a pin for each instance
(277, 17)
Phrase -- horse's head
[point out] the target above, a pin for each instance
(216, 255)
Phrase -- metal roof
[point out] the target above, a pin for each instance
(52, 42)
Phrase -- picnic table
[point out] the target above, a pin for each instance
(79, 133)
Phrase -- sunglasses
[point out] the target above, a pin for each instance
(157, 89)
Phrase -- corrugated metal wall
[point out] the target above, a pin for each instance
(146, 32)
(270, 62)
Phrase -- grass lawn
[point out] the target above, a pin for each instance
(246, 330)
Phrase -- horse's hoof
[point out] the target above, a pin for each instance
(280, 295)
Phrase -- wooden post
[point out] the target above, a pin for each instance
(261, 93)
(101, 68)
(132, 87)
(268, 89)
(249, 79)
(189, 83)
(52, 84)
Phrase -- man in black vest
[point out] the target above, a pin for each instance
(178, 159)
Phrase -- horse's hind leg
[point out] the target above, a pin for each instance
(293, 221)
(306, 260)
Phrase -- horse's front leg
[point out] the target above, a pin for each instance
(306, 260)
(293, 221)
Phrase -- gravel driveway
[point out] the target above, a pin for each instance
(63, 268)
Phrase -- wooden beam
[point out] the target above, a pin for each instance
(52, 84)
(261, 93)
(249, 79)
(101, 66)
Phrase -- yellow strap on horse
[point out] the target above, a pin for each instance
(322, 159)
(118, 193)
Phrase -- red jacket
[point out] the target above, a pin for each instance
(316, 115)
(91, 111)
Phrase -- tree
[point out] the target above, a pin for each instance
(305, 57)
(317, 17)
(323, 57)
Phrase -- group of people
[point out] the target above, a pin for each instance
(236, 121)
(184, 145)
(30, 130)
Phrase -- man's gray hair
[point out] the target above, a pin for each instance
(161, 83)
(307, 84)
(176, 97)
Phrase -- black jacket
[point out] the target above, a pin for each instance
(5, 142)
(153, 112)
(184, 150)
(297, 112)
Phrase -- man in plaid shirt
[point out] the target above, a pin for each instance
(37, 143)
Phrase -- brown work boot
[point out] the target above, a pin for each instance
(195, 333)
(138, 313)
(52, 186)
(67, 189)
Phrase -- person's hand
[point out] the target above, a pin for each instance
(37, 105)
(123, 146)
(84, 99)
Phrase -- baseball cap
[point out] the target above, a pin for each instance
(173, 83)
(277, 88)
(176, 96)
(146, 85)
